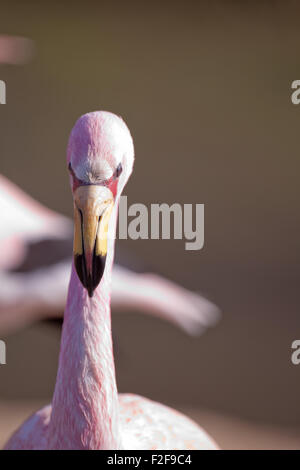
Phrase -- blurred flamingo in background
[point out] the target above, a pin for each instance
(15, 50)
(86, 410)
(35, 264)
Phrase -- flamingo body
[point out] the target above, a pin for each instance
(146, 425)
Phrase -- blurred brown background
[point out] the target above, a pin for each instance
(205, 90)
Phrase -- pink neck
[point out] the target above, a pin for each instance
(85, 408)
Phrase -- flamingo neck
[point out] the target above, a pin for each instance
(85, 407)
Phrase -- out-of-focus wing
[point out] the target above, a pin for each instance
(35, 263)
(24, 220)
(156, 295)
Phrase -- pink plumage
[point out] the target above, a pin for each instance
(86, 410)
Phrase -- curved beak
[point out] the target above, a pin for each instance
(92, 210)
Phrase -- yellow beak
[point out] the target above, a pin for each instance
(92, 210)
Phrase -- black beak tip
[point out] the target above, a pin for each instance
(90, 282)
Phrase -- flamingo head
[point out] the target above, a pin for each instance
(100, 159)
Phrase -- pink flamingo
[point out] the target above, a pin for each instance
(40, 239)
(86, 411)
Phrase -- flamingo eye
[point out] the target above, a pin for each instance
(118, 170)
(71, 170)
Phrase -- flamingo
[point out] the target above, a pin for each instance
(35, 264)
(86, 410)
